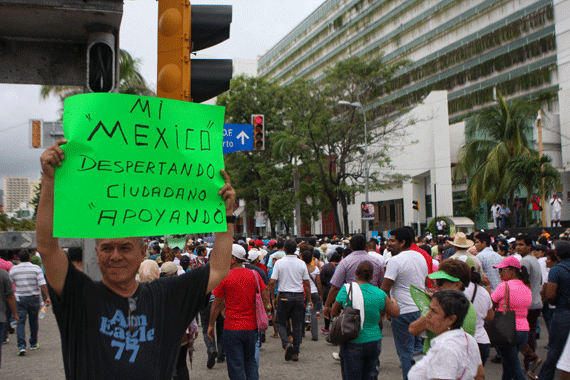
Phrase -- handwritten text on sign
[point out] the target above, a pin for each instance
(139, 166)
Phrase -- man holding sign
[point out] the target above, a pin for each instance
(114, 329)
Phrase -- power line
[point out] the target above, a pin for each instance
(14, 127)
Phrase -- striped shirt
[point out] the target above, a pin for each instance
(28, 278)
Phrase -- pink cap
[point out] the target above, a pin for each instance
(509, 261)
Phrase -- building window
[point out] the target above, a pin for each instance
(428, 207)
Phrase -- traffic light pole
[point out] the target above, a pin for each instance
(419, 228)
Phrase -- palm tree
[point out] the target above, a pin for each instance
(493, 138)
(131, 81)
(531, 172)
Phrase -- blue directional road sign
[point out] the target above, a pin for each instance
(238, 137)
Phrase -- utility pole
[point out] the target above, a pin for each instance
(542, 203)
(298, 202)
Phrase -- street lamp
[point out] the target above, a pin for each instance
(359, 105)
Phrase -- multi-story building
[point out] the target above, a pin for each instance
(16, 191)
(467, 48)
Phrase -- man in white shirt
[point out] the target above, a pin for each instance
(495, 211)
(294, 290)
(371, 249)
(556, 204)
(405, 268)
(30, 282)
(440, 226)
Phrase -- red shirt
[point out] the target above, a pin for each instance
(427, 256)
(263, 267)
(238, 289)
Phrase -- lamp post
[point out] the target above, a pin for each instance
(359, 105)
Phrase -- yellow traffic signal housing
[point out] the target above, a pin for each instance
(258, 122)
(416, 205)
(183, 29)
(36, 134)
(173, 79)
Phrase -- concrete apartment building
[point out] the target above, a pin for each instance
(16, 191)
(459, 51)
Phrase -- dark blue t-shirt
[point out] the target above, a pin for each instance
(104, 337)
(560, 275)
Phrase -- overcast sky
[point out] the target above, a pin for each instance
(257, 25)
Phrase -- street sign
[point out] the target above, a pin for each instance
(238, 137)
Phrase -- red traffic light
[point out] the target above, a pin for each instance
(258, 120)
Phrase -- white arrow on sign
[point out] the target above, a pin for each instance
(243, 136)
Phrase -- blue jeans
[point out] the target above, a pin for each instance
(359, 359)
(404, 341)
(28, 306)
(559, 329)
(239, 348)
(512, 368)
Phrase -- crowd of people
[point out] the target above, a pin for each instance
(302, 283)
(436, 292)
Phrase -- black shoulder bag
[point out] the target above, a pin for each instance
(346, 326)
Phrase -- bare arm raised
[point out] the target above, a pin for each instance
(221, 256)
(53, 257)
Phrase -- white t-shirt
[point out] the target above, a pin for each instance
(405, 269)
(290, 272)
(380, 258)
(454, 354)
(313, 280)
(387, 255)
(495, 211)
(482, 304)
(556, 204)
(543, 269)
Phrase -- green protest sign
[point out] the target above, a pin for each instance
(139, 166)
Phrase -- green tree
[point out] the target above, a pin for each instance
(131, 81)
(495, 136)
(530, 171)
(16, 224)
(327, 139)
(260, 179)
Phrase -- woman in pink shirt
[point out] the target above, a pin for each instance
(520, 298)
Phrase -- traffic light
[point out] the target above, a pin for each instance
(416, 205)
(36, 134)
(101, 62)
(258, 122)
(183, 29)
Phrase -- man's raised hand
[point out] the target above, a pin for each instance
(228, 193)
(52, 157)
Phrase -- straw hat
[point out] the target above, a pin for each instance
(460, 241)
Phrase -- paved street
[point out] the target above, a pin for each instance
(315, 361)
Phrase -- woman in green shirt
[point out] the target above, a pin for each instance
(358, 356)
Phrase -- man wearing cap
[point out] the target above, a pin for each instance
(405, 268)
(524, 248)
(114, 328)
(488, 258)
(461, 244)
(238, 291)
(294, 290)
